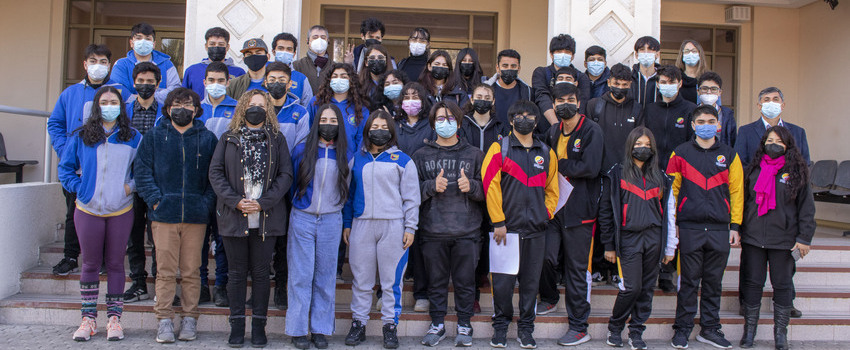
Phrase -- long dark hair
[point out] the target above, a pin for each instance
(428, 82)
(92, 131)
(355, 98)
(468, 84)
(367, 144)
(366, 82)
(401, 115)
(795, 165)
(311, 149)
(650, 170)
(469, 109)
(378, 99)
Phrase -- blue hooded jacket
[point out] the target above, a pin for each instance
(293, 120)
(193, 77)
(354, 132)
(217, 118)
(72, 109)
(122, 73)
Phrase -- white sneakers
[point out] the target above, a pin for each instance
(87, 329)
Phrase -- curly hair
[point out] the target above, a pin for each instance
(355, 98)
(795, 165)
(92, 131)
(239, 114)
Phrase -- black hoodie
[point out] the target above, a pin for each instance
(411, 138)
(452, 213)
(645, 91)
(413, 66)
(617, 120)
(482, 137)
(670, 123)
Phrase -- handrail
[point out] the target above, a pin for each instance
(48, 147)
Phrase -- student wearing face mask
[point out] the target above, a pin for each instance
(419, 43)
(617, 112)
(669, 117)
(438, 80)
(218, 107)
(376, 65)
(372, 32)
(509, 88)
(388, 93)
(317, 57)
(779, 221)
(378, 235)
(292, 117)
(412, 119)
(595, 60)
(217, 43)
(771, 103)
(171, 175)
(691, 61)
(284, 46)
(561, 51)
(647, 54)
(142, 42)
(523, 208)
(568, 75)
(255, 55)
(450, 182)
(104, 204)
(468, 73)
(341, 87)
(710, 87)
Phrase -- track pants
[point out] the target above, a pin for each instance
(578, 245)
(530, 265)
(376, 245)
(638, 265)
(453, 258)
(702, 261)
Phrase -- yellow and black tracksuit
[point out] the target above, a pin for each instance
(521, 191)
(709, 189)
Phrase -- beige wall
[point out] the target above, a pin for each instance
(31, 66)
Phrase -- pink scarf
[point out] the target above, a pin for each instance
(766, 184)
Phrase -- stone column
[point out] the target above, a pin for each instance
(612, 24)
(244, 19)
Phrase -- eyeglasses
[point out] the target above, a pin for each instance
(527, 117)
(378, 58)
(690, 51)
(187, 105)
(443, 119)
(707, 89)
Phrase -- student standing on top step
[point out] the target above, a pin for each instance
(216, 44)
(104, 204)
(142, 41)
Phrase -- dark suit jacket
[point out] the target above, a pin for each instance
(750, 135)
(729, 127)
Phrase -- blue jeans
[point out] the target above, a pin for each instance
(220, 257)
(313, 242)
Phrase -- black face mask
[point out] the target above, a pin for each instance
(181, 116)
(524, 126)
(774, 150)
(145, 90)
(328, 131)
(618, 93)
(377, 66)
(439, 73)
(256, 62)
(379, 137)
(370, 42)
(482, 106)
(642, 153)
(255, 115)
(467, 69)
(216, 53)
(277, 90)
(508, 75)
(566, 111)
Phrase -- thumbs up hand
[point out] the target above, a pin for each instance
(463, 182)
(441, 182)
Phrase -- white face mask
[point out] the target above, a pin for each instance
(771, 109)
(97, 72)
(417, 49)
(708, 99)
(646, 59)
(319, 45)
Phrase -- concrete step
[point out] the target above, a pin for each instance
(65, 310)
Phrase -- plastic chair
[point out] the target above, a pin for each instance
(823, 176)
(12, 166)
(842, 180)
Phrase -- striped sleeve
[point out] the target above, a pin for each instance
(674, 169)
(492, 169)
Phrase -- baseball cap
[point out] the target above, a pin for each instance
(254, 43)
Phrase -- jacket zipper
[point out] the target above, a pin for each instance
(183, 194)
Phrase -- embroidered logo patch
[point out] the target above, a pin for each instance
(228, 114)
(721, 161)
(394, 156)
(785, 178)
(680, 123)
(351, 120)
(296, 115)
(577, 144)
(538, 162)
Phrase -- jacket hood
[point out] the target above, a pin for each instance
(420, 124)
(157, 58)
(636, 71)
(228, 61)
(291, 99)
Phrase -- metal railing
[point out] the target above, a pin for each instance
(48, 148)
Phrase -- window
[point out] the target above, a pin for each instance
(721, 52)
(109, 22)
(450, 30)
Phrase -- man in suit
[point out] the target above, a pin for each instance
(317, 57)
(771, 103)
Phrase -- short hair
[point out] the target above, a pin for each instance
(769, 90)
(572, 71)
(182, 94)
(422, 32)
(456, 112)
(143, 67)
(562, 42)
(508, 53)
(705, 109)
(142, 28)
(653, 43)
(710, 76)
(565, 90)
(317, 27)
(217, 32)
(372, 24)
(671, 72)
(97, 49)
(621, 72)
(524, 106)
(284, 37)
(217, 67)
(278, 67)
(595, 50)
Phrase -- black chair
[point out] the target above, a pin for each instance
(842, 180)
(823, 176)
(12, 166)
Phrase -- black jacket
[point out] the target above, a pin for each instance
(671, 125)
(452, 213)
(617, 121)
(600, 86)
(457, 95)
(482, 137)
(644, 91)
(688, 91)
(413, 66)
(412, 138)
(543, 80)
(582, 167)
(793, 220)
(226, 172)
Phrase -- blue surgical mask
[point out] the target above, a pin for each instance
(691, 58)
(446, 128)
(771, 109)
(284, 57)
(143, 47)
(339, 85)
(646, 59)
(393, 91)
(215, 90)
(705, 131)
(562, 59)
(110, 112)
(596, 68)
(668, 90)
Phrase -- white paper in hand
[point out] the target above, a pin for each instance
(504, 258)
(564, 191)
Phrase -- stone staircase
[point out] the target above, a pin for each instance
(822, 280)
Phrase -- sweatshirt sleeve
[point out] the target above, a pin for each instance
(492, 186)
(122, 72)
(736, 193)
(282, 181)
(552, 191)
(590, 163)
(805, 215)
(143, 171)
(69, 162)
(540, 89)
(476, 187)
(606, 216)
(410, 197)
(427, 187)
(674, 170)
(670, 216)
(172, 81)
(57, 125)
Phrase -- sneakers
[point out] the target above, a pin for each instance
(526, 341)
(165, 333)
(220, 297)
(356, 335)
(615, 280)
(500, 339)
(65, 267)
(188, 329)
(422, 305)
(545, 308)
(390, 336)
(87, 329)
(205, 295)
(714, 337)
(138, 291)
(596, 279)
(680, 339)
(614, 339)
(573, 337)
(301, 342)
(319, 341)
(464, 336)
(434, 335)
(636, 341)
(114, 331)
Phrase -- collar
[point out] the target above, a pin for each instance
(578, 126)
(767, 126)
(138, 106)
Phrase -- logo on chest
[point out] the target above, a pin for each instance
(538, 162)
(785, 178)
(394, 157)
(680, 123)
(577, 145)
(721, 161)
(351, 120)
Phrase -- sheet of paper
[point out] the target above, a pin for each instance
(564, 191)
(504, 258)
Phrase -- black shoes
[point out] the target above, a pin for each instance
(65, 267)
(280, 298)
(138, 291)
(614, 339)
(795, 313)
(205, 294)
(751, 323)
(499, 339)
(680, 339)
(526, 340)
(636, 341)
(258, 333)
(319, 341)
(237, 332)
(781, 316)
(356, 335)
(220, 296)
(301, 342)
(715, 338)
(390, 336)
(666, 286)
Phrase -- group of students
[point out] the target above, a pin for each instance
(417, 165)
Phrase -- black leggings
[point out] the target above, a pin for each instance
(755, 263)
(244, 254)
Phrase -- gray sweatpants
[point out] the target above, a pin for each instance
(377, 245)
